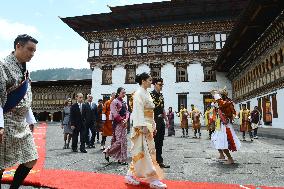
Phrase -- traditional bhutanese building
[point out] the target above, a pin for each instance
(177, 40)
(253, 60)
(49, 96)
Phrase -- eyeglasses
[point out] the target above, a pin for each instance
(160, 84)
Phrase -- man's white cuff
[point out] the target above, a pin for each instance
(1, 118)
(30, 118)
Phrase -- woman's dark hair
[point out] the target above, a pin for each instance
(140, 77)
(118, 91)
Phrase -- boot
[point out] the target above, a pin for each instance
(19, 176)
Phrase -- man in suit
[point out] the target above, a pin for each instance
(77, 125)
(89, 114)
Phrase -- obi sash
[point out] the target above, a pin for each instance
(15, 96)
(149, 114)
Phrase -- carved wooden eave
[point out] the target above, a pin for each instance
(190, 58)
(271, 39)
(278, 84)
(163, 30)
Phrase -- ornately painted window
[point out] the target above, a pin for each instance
(94, 49)
(141, 46)
(193, 42)
(220, 39)
(167, 44)
(117, 48)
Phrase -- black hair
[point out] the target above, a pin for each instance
(156, 80)
(140, 77)
(23, 39)
(100, 100)
(118, 91)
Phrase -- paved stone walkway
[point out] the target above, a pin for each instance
(260, 162)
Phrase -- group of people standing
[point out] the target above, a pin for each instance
(87, 120)
(84, 118)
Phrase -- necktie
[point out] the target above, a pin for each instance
(80, 106)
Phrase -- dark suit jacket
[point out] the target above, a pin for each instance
(76, 118)
(89, 113)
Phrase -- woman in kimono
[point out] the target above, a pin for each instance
(224, 139)
(120, 115)
(16, 117)
(144, 165)
(66, 125)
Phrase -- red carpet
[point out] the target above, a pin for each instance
(79, 180)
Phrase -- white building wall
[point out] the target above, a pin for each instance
(276, 122)
(194, 86)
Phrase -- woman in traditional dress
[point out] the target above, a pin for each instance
(120, 115)
(66, 126)
(224, 138)
(144, 165)
(171, 117)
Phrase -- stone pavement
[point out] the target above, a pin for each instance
(260, 162)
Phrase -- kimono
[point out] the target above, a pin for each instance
(118, 148)
(18, 146)
(144, 164)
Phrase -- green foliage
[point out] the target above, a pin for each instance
(61, 74)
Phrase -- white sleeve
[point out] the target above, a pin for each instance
(30, 118)
(1, 118)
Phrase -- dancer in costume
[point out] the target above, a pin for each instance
(16, 117)
(245, 125)
(195, 120)
(210, 119)
(224, 138)
(183, 115)
(144, 164)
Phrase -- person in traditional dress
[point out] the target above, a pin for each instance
(255, 121)
(160, 118)
(171, 118)
(107, 128)
(195, 120)
(66, 124)
(17, 144)
(144, 165)
(224, 138)
(210, 119)
(120, 115)
(183, 115)
(245, 125)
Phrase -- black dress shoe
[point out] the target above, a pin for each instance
(106, 157)
(83, 151)
(162, 165)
